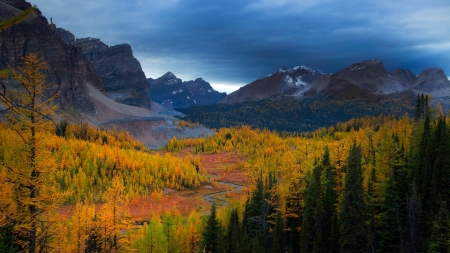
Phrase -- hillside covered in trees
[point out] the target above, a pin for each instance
(370, 184)
(291, 114)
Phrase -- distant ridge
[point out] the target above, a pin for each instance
(171, 92)
(293, 81)
(366, 80)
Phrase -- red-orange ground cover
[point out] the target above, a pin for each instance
(225, 167)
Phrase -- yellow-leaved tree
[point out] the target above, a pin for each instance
(114, 218)
(29, 165)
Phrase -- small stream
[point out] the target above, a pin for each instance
(211, 197)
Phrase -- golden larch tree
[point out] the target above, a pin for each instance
(29, 113)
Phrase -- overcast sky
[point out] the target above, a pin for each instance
(231, 43)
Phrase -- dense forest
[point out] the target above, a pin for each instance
(370, 184)
(287, 113)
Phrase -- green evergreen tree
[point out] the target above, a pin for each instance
(211, 236)
(388, 230)
(318, 237)
(372, 207)
(440, 237)
(233, 233)
(413, 235)
(329, 197)
(309, 225)
(333, 247)
(353, 226)
(256, 211)
(7, 239)
(278, 235)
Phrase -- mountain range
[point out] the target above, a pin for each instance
(301, 99)
(367, 79)
(91, 78)
(106, 86)
(172, 92)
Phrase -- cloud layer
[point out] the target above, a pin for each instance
(234, 42)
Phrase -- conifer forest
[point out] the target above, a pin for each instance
(370, 184)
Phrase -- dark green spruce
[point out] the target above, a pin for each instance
(353, 223)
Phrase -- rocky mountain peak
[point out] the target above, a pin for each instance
(433, 74)
(168, 75)
(168, 79)
(404, 77)
(433, 81)
(121, 73)
(66, 36)
(69, 71)
(294, 81)
(172, 92)
(370, 75)
(366, 66)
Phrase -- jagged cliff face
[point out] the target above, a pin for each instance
(121, 73)
(172, 92)
(69, 70)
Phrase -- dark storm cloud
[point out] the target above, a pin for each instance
(238, 41)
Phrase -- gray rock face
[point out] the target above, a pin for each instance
(370, 75)
(432, 81)
(121, 73)
(66, 36)
(172, 92)
(293, 81)
(69, 70)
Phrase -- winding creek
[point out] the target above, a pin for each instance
(212, 196)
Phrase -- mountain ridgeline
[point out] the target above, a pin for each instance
(366, 78)
(172, 92)
(69, 70)
(121, 73)
(302, 99)
(283, 81)
(100, 84)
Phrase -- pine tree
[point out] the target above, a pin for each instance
(419, 105)
(440, 237)
(329, 197)
(353, 227)
(333, 247)
(309, 227)
(319, 238)
(211, 235)
(278, 235)
(413, 235)
(256, 210)
(233, 233)
(388, 230)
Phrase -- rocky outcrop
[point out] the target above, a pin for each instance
(121, 73)
(66, 36)
(370, 75)
(172, 92)
(69, 70)
(432, 81)
(293, 81)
